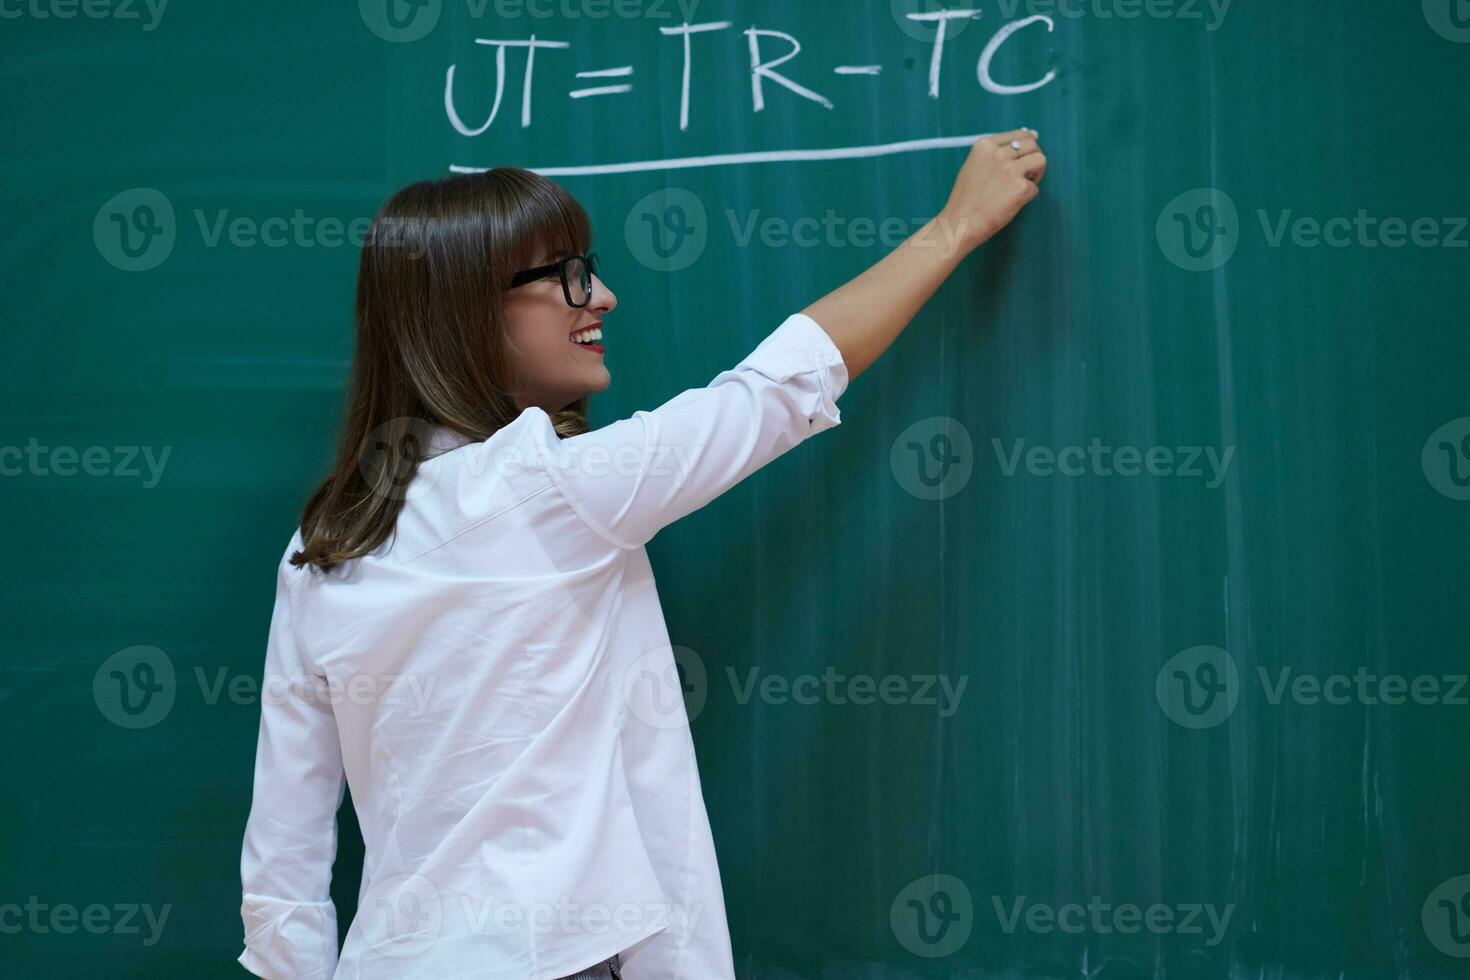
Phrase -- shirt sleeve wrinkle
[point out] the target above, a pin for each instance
(629, 479)
(289, 939)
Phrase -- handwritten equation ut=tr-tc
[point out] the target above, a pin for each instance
(770, 70)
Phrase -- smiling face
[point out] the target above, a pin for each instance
(555, 370)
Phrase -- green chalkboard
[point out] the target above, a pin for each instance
(1118, 631)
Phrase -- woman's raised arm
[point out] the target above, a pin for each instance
(629, 479)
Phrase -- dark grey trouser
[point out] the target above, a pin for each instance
(607, 970)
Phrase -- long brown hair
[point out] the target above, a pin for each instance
(431, 342)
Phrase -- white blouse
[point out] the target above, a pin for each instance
(497, 686)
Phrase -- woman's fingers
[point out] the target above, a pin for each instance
(1026, 151)
(1004, 139)
(1023, 146)
(1026, 145)
(1033, 165)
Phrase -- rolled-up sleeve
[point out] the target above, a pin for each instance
(291, 834)
(629, 479)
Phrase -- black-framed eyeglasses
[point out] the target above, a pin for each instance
(575, 271)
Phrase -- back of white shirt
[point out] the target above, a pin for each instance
(496, 685)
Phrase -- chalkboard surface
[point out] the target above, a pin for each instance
(1118, 631)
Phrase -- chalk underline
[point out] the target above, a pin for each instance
(761, 156)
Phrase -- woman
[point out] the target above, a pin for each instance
(466, 629)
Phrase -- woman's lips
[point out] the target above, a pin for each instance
(592, 345)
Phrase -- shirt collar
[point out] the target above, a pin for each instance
(443, 439)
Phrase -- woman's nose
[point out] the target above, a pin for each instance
(602, 297)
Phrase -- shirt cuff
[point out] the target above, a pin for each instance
(289, 939)
(800, 345)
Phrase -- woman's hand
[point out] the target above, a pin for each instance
(995, 183)
(864, 316)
